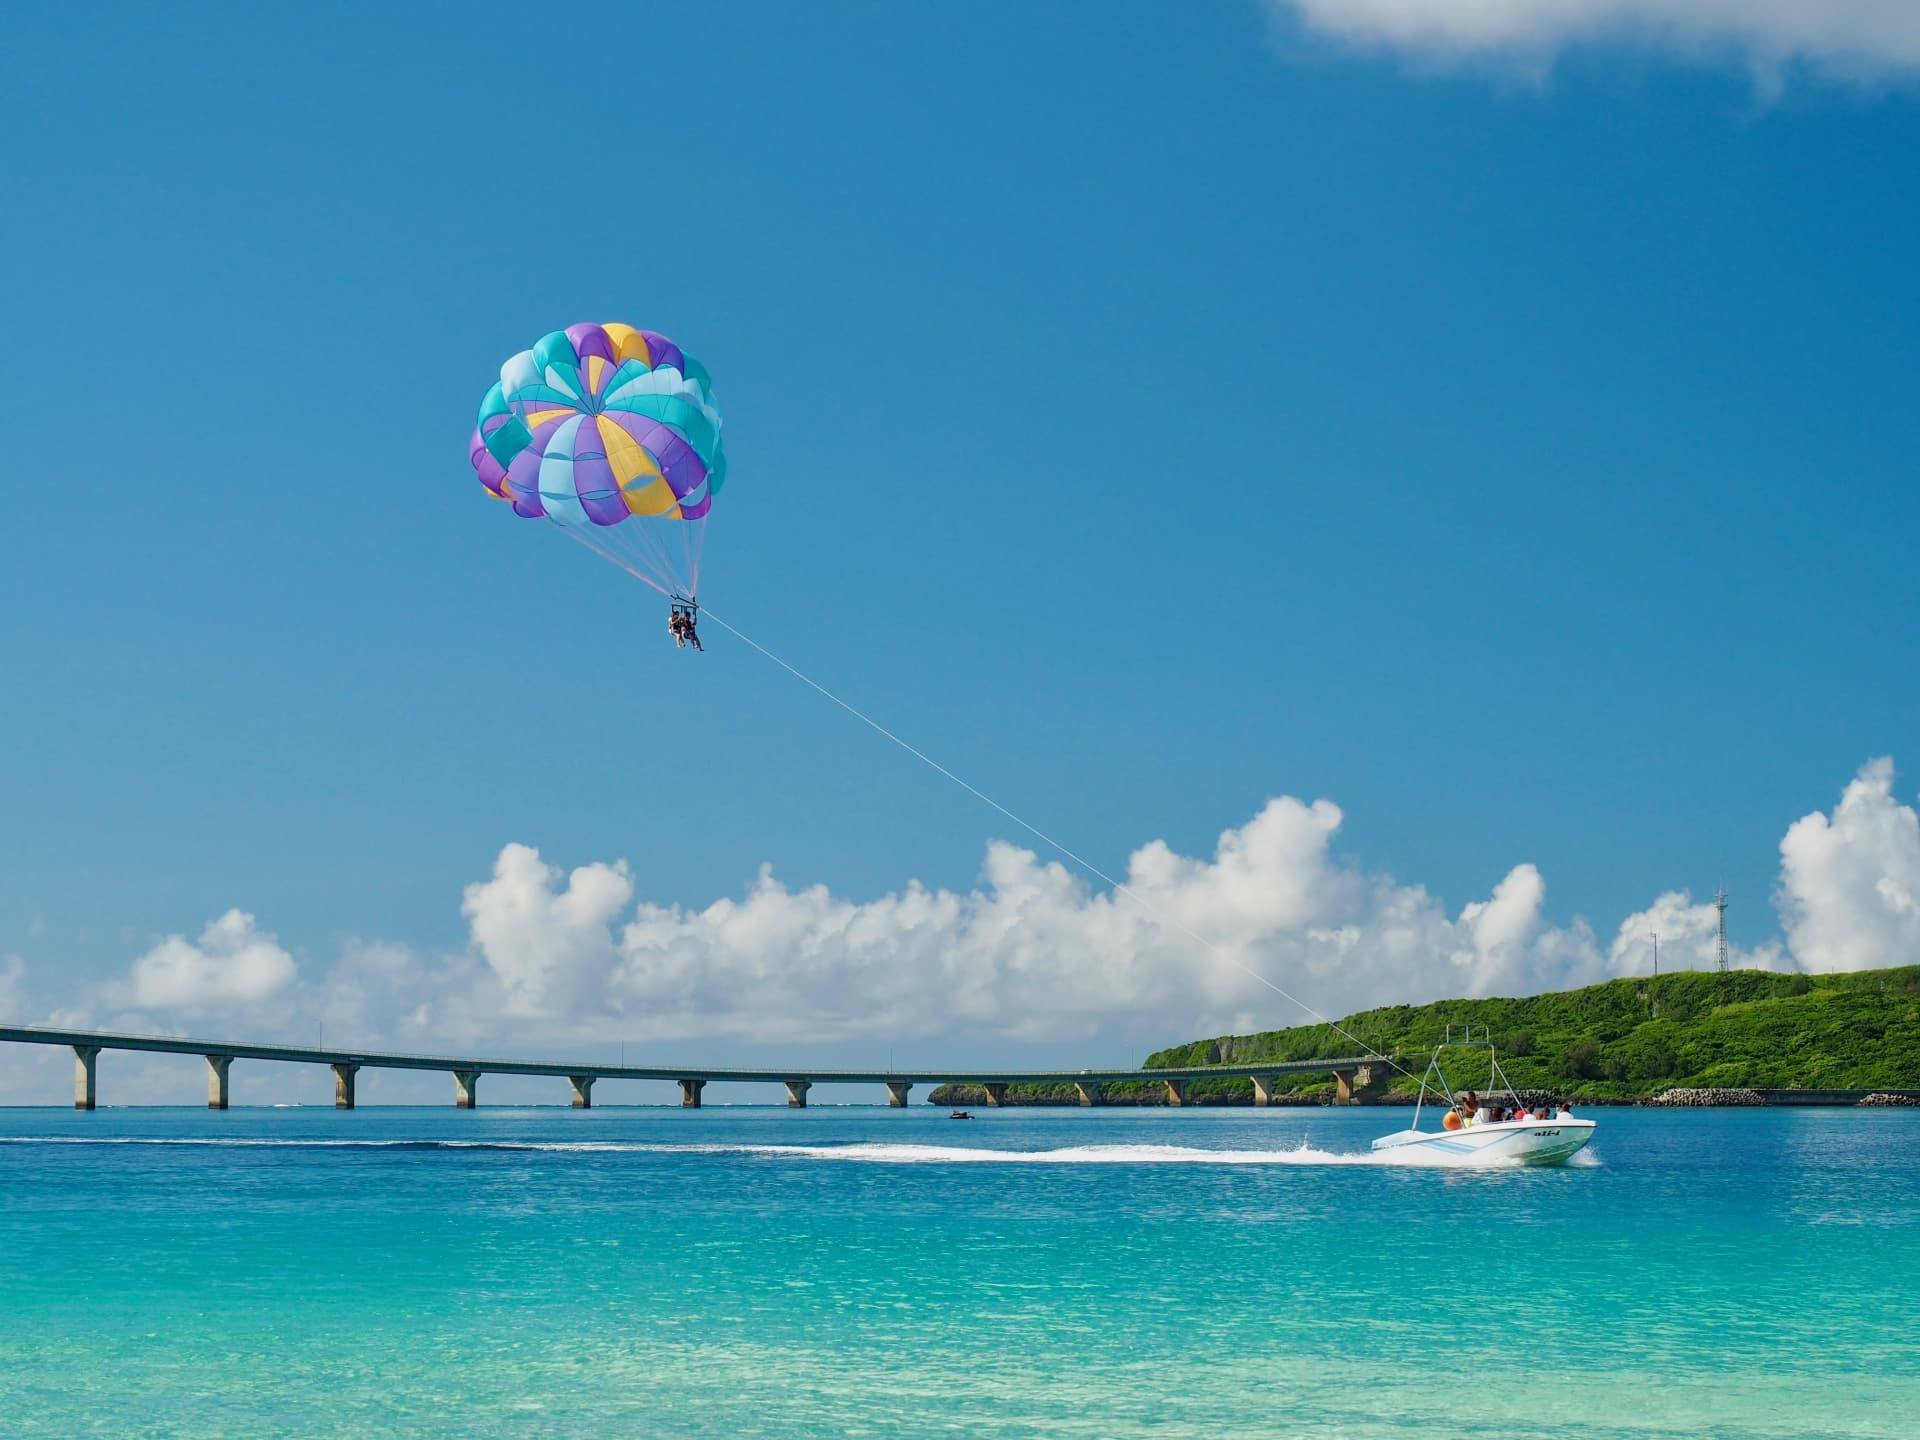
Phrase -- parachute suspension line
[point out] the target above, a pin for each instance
(635, 549)
(574, 532)
(644, 544)
(646, 538)
(1119, 887)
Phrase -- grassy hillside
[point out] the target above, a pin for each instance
(1625, 1039)
(1638, 1037)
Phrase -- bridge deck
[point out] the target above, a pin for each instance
(383, 1060)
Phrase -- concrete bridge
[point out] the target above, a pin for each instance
(1351, 1075)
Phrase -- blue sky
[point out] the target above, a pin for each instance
(1148, 410)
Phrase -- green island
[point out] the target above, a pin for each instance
(1625, 1041)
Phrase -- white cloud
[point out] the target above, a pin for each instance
(233, 965)
(1030, 952)
(378, 988)
(1850, 38)
(1688, 934)
(551, 950)
(1849, 892)
(1033, 951)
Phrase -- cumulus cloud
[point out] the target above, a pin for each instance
(1031, 951)
(1850, 38)
(1034, 951)
(233, 964)
(1849, 892)
(549, 948)
(1689, 934)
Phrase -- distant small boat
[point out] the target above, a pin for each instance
(1533, 1141)
(961, 1115)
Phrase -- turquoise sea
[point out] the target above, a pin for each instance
(872, 1272)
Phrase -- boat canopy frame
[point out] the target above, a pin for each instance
(1476, 1037)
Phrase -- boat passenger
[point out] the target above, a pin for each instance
(1566, 1111)
(1469, 1108)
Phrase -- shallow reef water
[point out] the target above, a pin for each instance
(845, 1271)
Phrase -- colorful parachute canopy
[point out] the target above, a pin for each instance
(611, 433)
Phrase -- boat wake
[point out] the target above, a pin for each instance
(894, 1154)
(869, 1153)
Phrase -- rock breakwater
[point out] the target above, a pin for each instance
(1688, 1097)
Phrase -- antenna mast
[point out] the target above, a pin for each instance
(1720, 944)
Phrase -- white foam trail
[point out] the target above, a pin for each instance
(879, 1154)
(864, 1153)
(870, 1153)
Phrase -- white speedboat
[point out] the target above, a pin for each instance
(1511, 1142)
(1537, 1140)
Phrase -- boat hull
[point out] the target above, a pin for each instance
(1513, 1143)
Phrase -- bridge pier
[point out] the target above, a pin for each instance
(1089, 1094)
(1176, 1092)
(996, 1093)
(217, 1067)
(83, 1058)
(1354, 1086)
(466, 1088)
(797, 1093)
(690, 1093)
(343, 1085)
(897, 1092)
(1262, 1089)
(582, 1090)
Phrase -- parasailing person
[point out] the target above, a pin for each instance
(611, 433)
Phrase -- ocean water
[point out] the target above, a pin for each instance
(872, 1272)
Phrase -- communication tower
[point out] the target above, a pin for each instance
(1720, 943)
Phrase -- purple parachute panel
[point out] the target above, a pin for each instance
(590, 340)
(490, 470)
(664, 351)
